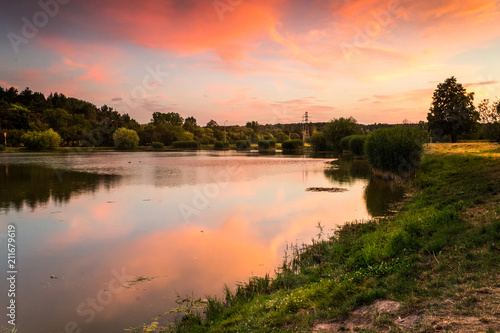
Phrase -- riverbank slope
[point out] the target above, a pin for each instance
(433, 266)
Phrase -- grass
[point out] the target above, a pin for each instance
(439, 257)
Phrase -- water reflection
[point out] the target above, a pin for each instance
(380, 195)
(253, 206)
(348, 171)
(34, 185)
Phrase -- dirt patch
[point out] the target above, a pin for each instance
(380, 316)
(453, 316)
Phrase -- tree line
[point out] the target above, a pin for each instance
(26, 114)
(81, 123)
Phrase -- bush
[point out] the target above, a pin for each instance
(157, 145)
(318, 141)
(14, 137)
(292, 144)
(36, 140)
(2, 148)
(267, 144)
(243, 145)
(344, 143)
(185, 145)
(126, 139)
(219, 145)
(356, 144)
(397, 150)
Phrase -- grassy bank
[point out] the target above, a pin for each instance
(434, 266)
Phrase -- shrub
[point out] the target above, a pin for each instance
(267, 144)
(2, 148)
(185, 145)
(318, 141)
(356, 144)
(219, 145)
(124, 138)
(157, 145)
(292, 144)
(36, 140)
(344, 143)
(14, 137)
(397, 150)
(243, 145)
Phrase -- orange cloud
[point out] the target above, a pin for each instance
(186, 27)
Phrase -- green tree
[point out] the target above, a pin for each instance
(318, 141)
(146, 134)
(36, 140)
(212, 124)
(452, 111)
(170, 118)
(190, 125)
(490, 116)
(337, 129)
(124, 138)
(16, 117)
(254, 125)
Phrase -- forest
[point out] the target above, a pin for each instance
(81, 123)
(71, 122)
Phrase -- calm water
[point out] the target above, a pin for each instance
(89, 224)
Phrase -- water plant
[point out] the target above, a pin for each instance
(397, 150)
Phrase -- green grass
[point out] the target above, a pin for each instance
(443, 244)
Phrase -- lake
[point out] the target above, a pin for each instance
(105, 240)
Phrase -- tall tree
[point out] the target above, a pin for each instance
(171, 118)
(337, 129)
(490, 116)
(190, 124)
(212, 124)
(452, 111)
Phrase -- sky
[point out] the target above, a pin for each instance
(270, 61)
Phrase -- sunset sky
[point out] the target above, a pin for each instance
(263, 60)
